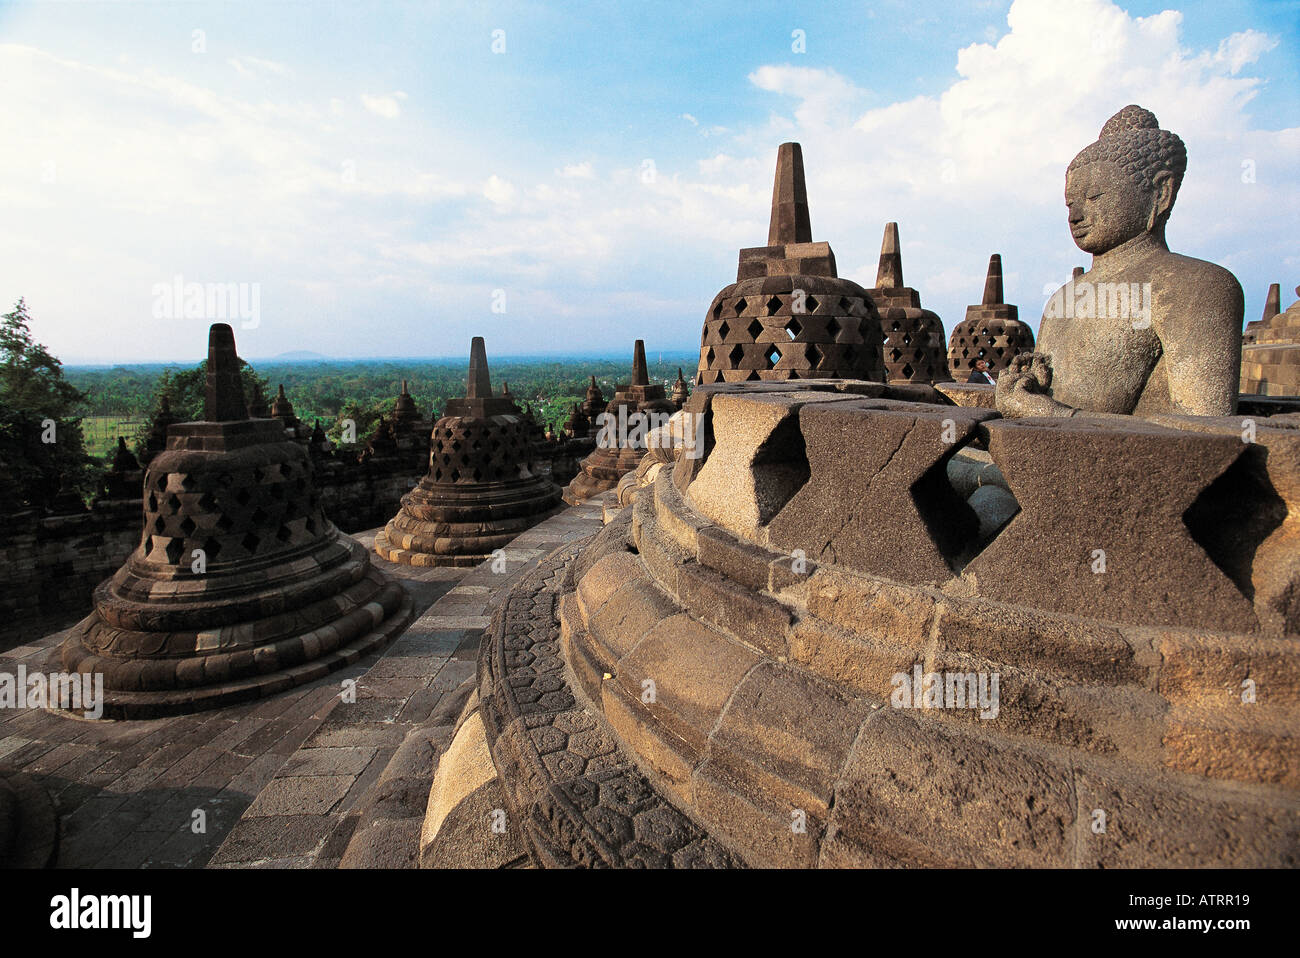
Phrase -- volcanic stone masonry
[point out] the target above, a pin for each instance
(788, 595)
(481, 489)
(1270, 355)
(788, 315)
(240, 587)
(619, 446)
(991, 333)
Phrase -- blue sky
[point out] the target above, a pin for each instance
(381, 174)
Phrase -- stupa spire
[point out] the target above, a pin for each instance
(224, 401)
(789, 223)
(1273, 304)
(889, 275)
(640, 375)
(993, 282)
(479, 385)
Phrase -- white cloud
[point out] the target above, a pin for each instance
(256, 67)
(386, 105)
(825, 98)
(578, 171)
(1242, 49)
(498, 191)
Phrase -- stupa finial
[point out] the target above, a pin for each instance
(224, 401)
(480, 385)
(993, 282)
(640, 375)
(889, 275)
(1273, 304)
(790, 223)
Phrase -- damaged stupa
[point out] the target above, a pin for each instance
(240, 586)
(621, 429)
(789, 315)
(481, 489)
(991, 333)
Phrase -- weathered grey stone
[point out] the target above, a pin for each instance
(1098, 499)
(886, 508)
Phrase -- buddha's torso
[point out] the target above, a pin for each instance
(1105, 350)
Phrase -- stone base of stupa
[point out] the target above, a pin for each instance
(291, 631)
(447, 525)
(600, 472)
(761, 639)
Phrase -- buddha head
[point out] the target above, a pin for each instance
(1125, 183)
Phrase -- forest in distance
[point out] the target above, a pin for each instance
(120, 400)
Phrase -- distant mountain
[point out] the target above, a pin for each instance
(299, 356)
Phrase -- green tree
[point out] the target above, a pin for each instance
(188, 388)
(41, 446)
(186, 392)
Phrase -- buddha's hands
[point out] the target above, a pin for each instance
(1022, 390)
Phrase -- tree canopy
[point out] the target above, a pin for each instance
(41, 446)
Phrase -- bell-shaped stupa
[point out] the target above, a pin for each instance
(681, 392)
(913, 337)
(481, 489)
(991, 334)
(240, 586)
(789, 315)
(621, 431)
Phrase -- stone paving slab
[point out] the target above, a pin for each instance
(352, 813)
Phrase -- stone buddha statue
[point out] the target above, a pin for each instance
(1144, 330)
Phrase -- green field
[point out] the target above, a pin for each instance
(100, 432)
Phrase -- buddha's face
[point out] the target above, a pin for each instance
(1106, 207)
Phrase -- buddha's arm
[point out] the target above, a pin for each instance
(1202, 352)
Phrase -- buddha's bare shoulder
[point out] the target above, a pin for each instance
(1199, 277)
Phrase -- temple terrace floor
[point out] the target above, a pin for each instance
(302, 779)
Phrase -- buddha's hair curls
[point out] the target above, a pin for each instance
(1133, 141)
